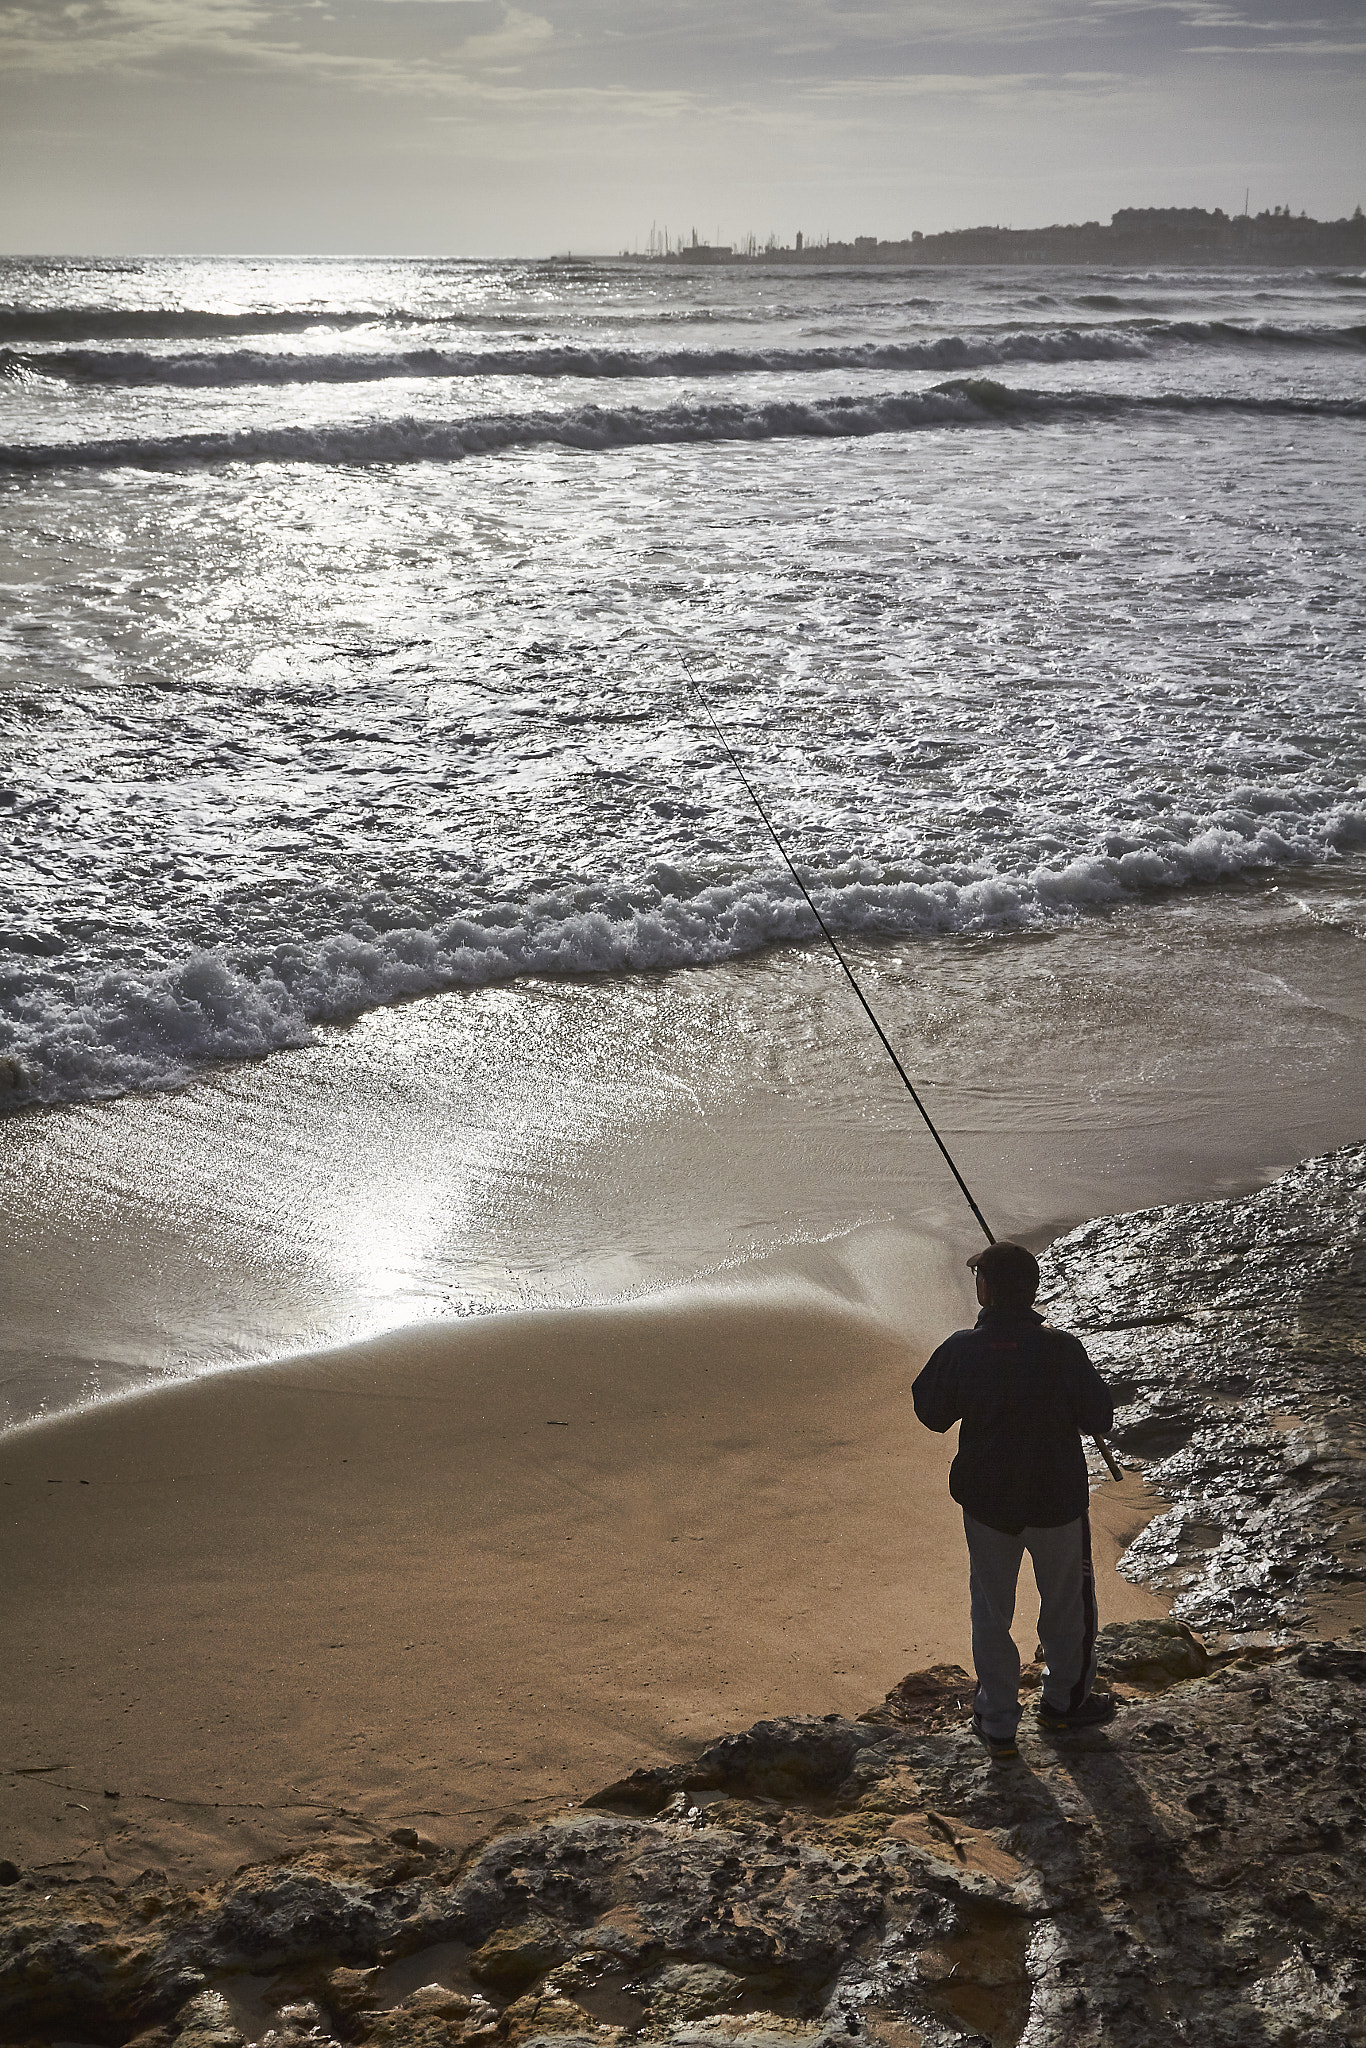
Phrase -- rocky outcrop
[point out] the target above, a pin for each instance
(1235, 1333)
(1150, 1653)
(1194, 1870)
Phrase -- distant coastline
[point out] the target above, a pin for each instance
(1134, 235)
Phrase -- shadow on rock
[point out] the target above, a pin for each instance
(1194, 1870)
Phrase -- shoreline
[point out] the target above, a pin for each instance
(309, 1599)
(560, 1142)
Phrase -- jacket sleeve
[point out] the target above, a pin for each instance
(1092, 1403)
(935, 1392)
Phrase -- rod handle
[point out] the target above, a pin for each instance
(1109, 1457)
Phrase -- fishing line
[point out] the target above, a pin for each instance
(869, 1011)
(700, 695)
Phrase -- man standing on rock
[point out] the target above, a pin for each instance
(1023, 1394)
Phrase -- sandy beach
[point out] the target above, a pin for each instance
(464, 1565)
(453, 1575)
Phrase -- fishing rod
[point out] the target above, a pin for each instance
(701, 698)
(888, 1048)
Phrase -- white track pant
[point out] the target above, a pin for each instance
(1067, 1617)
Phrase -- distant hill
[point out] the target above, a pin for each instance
(1135, 235)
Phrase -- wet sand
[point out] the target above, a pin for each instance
(429, 1566)
(564, 1143)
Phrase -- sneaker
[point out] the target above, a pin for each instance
(1095, 1709)
(1000, 1748)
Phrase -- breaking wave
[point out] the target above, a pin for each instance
(19, 324)
(1255, 334)
(951, 352)
(965, 402)
(135, 367)
(118, 1030)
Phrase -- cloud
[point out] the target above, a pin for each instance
(1173, 21)
(74, 34)
(430, 45)
(1284, 48)
(536, 123)
(967, 85)
(367, 42)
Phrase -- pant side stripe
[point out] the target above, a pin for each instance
(1089, 1616)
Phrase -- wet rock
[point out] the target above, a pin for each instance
(206, 2021)
(795, 1759)
(702, 1896)
(537, 2015)
(1154, 1653)
(431, 2017)
(288, 1915)
(1233, 1332)
(1332, 1660)
(557, 1872)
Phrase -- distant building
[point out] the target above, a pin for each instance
(1136, 234)
(1169, 235)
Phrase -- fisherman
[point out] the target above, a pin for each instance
(1023, 1393)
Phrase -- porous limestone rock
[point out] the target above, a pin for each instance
(690, 1991)
(1151, 1653)
(434, 2016)
(514, 1957)
(539, 2015)
(206, 2021)
(1201, 1857)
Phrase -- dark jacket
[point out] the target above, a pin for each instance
(1023, 1393)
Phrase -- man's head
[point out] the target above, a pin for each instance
(1007, 1276)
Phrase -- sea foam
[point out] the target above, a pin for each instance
(209, 369)
(120, 1030)
(964, 402)
(358, 366)
(305, 711)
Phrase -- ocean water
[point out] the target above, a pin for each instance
(346, 608)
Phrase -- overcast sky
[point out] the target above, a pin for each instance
(480, 127)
